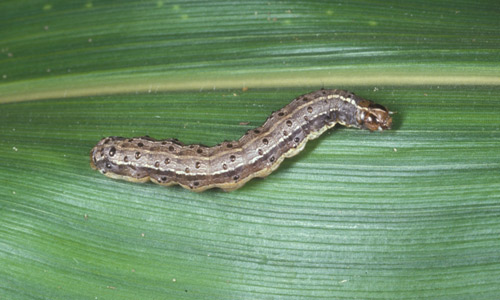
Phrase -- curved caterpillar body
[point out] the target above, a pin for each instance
(231, 164)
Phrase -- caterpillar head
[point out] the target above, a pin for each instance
(374, 116)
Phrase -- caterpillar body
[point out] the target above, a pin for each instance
(231, 164)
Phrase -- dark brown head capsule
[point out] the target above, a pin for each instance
(373, 116)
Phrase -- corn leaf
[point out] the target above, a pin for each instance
(409, 213)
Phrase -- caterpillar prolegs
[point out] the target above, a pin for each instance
(231, 164)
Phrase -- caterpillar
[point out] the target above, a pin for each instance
(229, 165)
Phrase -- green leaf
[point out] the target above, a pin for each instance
(410, 213)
